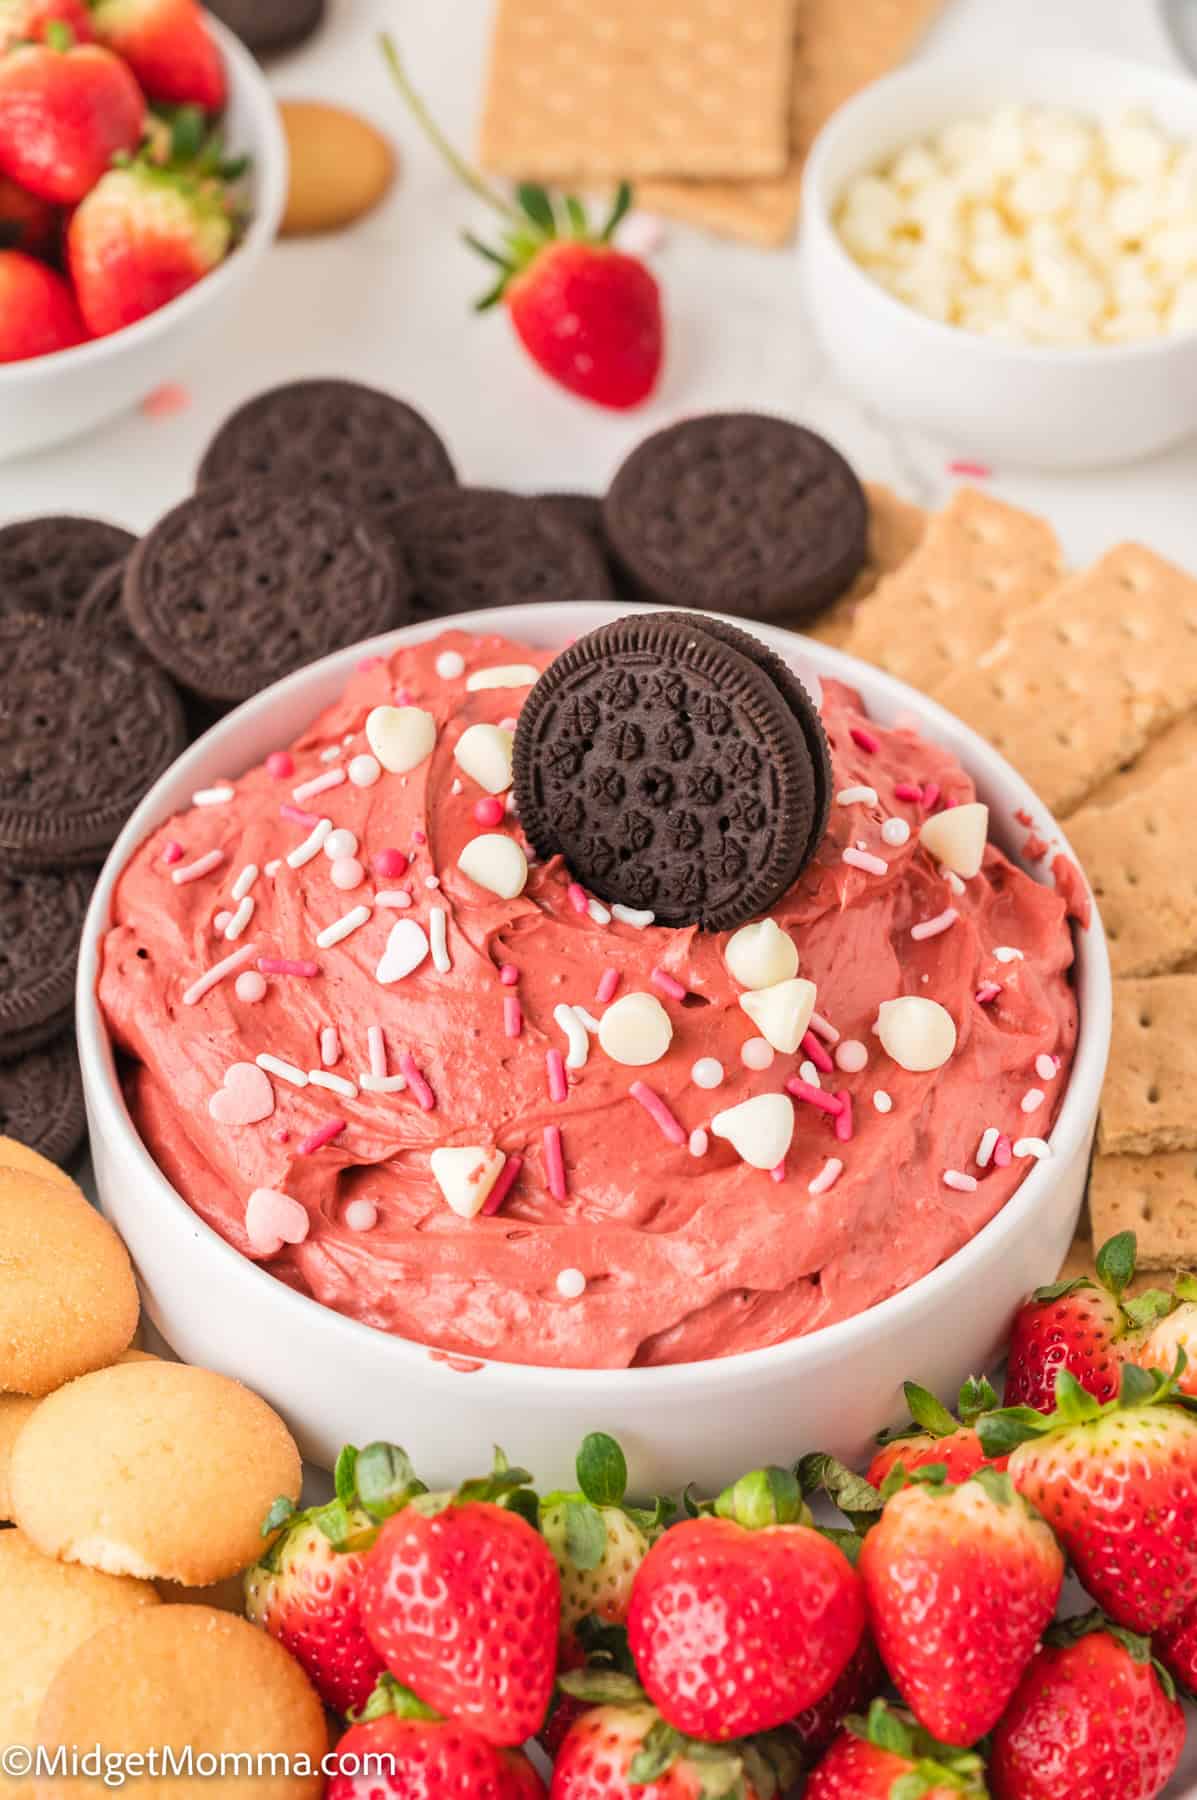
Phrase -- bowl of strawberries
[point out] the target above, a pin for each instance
(143, 173)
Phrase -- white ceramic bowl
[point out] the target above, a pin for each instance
(52, 398)
(337, 1381)
(996, 401)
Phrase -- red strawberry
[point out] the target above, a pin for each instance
(960, 1583)
(1176, 1331)
(1093, 1719)
(25, 21)
(462, 1600)
(1118, 1485)
(854, 1692)
(64, 115)
(418, 1759)
(936, 1436)
(627, 1752)
(143, 236)
(1176, 1647)
(522, 1781)
(26, 223)
(169, 48)
(887, 1755)
(1079, 1326)
(588, 315)
(38, 314)
(735, 1630)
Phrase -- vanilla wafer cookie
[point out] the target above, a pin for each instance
(1141, 859)
(1176, 745)
(1149, 1102)
(896, 529)
(1078, 685)
(1153, 1196)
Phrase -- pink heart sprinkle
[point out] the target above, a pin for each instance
(273, 1219)
(246, 1097)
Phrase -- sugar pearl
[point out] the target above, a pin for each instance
(389, 863)
(895, 832)
(882, 1101)
(250, 987)
(347, 873)
(707, 1072)
(489, 811)
(339, 844)
(364, 771)
(571, 1284)
(851, 1056)
(450, 665)
(280, 764)
(756, 1053)
(361, 1215)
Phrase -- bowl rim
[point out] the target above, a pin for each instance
(296, 1312)
(934, 74)
(268, 185)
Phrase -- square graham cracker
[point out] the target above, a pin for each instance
(1178, 744)
(1141, 858)
(1153, 1196)
(841, 45)
(1077, 686)
(896, 529)
(979, 562)
(590, 89)
(1149, 1102)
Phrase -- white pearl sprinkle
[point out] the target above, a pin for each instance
(364, 771)
(895, 832)
(707, 1072)
(1046, 1067)
(756, 1054)
(339, 844)
(450, 665)
(571, 1284)
(882, 1101)
(700, 1143)
(851, 1056)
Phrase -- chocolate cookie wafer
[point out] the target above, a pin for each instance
(86, 725)
(249, 580)
(269, 26)
(41, 1100)
(740, 513)
(41, 919)
(48, 564)
(670, 771)
(479, 547)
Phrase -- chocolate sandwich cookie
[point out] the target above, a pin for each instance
(268, 26)
(41, 920)
(41, 1100)
(480, 547)
(249, 580)
(585, 513)
(47, 565)
(86, 725)
(740, 513)
(670, 771)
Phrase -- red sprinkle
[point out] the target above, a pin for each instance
(513, 1017)
(390, 863)
(554, 1066)
(172, 851)
(286, 965)
(425, 1098)
(812, 1048)
(323, 1134)
(1003, 1152)
(668, 984)
(864, 740)
(658, 1112)
(489, 810)
(906, 790)
(554, 1162)
(576, 895)
(508, 1176)
(987, 993)
(930, 795)
(950, 802)
(419, 837)
(803, 1090)
(843, 1124)
(608, 986)
(296, 816)
(509, 974)
(280, 764)
(978, 471)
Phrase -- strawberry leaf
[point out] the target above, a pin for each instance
(585, 1534)
(850, 1542)
(1003, 1431)
(391, 1697)
(575, 213)
(855, 1497)
(928, 1413)
(345, 1475)
(660, 1749)
(1146, 1309)
(770, 1496)
(996, 1484)
(602, 1469)
(619, 209)
(1116, 1263)
(602, 1687)
(977, 1396)
(535, 202)
(280, 1513)
(1056, 1290)
(1185, 1287)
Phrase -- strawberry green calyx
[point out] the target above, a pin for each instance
(929, 1417)
(578, 1517)
(370, 1485)
(1115, 1269)
(936, 1765)
(505, 1486)
(391, 1699)
(1002, 1432)
(858, 1500)
(769, 1496)
(1137, 1647)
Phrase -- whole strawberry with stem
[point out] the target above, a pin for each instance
(66, 110)
(25, 21)
(1176, 1648)
(626, 1751)
(598, 1542)
(462, 1600)
(38, 314)
(1094, 1718)
(402, 1749)
(887, 1756)
(960, 1583)
(1157, 1346)
(169, 48)
(588, 314)
(1117, 1483)
(935, 1435)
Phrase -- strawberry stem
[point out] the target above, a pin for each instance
(436, 137)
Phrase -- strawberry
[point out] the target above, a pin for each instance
(169, 48)
(1118, 1485)
(25, 21)
(936, 1436)
(64, 114)
(887, 1757)
(588, 314)
(1177, 1330)
(854, 1692)
(38, 314)
(597, 1542)
(143, 236)
(417, 1758)
(462, 1600)
(1093, 1719)
(27, 223)
(521, 1780)
(960, 1583)
(628, 1752)
(1176, 1647)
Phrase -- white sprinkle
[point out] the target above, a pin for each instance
(575, 1036)
(824, 1028)
(699, 1143)
(863, 859)
(756, 1053)
(630, 915)
(272, 868)
(274, 1065)
(394, 899)
(1032, 1146)
(827, 1177)
(1006, 953)
(882, 1101)
(381, 1084)
(856, 796)
(361, 1215)
(808, 1073)
(311, 846)
(377, 1047)
(1032, 1100)
(341, 928)
(213, 796)
(245, 881)
(340, 843)
(987, 1146)
(588, 1019)
(364, 771)
(330, 1047)
(571, 1284)
(1046, 1067)
(963, 1184)
(218, 971)
(438, 938)
(222, 919)
(331, 754)
(336, 1084)
(934, 927)
(598, 912)
(432, 881)
(203, 865)
(955, 885)
(450, 665)
(852, 1056)
(347, 739)
(505, 675)
(319, 784)
(456, 787)
(240, 919)
(707, 1072)
(896, 832)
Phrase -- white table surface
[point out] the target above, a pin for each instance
(389, 303)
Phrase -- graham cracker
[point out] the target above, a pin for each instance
(1075, 688)
(1178, 744)
(1149, 1103)
(979, 562)
(1153, 1196)
(582, 91)
(896, 529)
(1141, 859)
(840, 47)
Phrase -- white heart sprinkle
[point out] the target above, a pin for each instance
(401, 737)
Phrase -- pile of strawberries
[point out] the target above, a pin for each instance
(731, 1649)
(115, 195)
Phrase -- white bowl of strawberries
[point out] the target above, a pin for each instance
(143, 173)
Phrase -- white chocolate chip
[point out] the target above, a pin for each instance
(919, 1034)
(957, 838)
(759, 1130)
(401, 737)
(635, 1030)
(504, 675)
(407, 946)
(465, 1174)
(760, 955)
(484, 752)
(781, 1013)
(496, 863)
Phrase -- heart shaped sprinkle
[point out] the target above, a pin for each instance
(273, 1219)
(400, 736)
(246, 1097)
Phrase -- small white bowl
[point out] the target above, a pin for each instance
(338, 1381)
(996, 401)
(52, 398)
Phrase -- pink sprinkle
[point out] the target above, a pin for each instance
(509, 974)
(825, 1029)
(376, 1049)
(323, 1134)
(864, 740)
(330, 1047)
(280, 764)
(658, 1112)
(930, 795)
(203, 865)
(172, 851)
(513, 1017)
(489, 811)
(803, 1090)
(402, 696)
(554, 1162)
(576, 895)
(813, 1048)
(419, 837)
(906, 790)
(319, 784)
(296, 816)
(843, 1124)
(166, 401)
(864, 859)
(555, 1072)
(608, 986)
(218, 971)
(1003, 1152)
(987, 993)
(950, 802)
(368, 663)
(935, 927)
(974, 471)
(281, 1136)
(389, 863)
(778, 1172)
(668, 984)
(508, 1176)
(827, 1177)
(425, 1097)
(286, 965)
(361, 1215)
